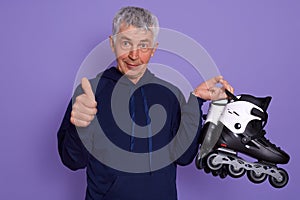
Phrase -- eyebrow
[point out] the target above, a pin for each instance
(126, 38)
(146, 40)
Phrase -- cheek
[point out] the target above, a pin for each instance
(121, 55)
(145, 58)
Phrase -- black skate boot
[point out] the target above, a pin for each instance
(242, 122)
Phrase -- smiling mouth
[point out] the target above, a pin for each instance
(132, 65)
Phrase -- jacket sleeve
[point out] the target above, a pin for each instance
(71, 149)
(74, 142)
(189, 128)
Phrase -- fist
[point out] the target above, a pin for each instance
(85, 107)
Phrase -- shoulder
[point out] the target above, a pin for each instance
(95, 82)
(174, 90)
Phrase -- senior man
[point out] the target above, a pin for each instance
(134, 42)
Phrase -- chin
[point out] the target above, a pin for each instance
(131, 74)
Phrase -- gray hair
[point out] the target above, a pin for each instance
(138, 17)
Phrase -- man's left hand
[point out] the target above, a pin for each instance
(209, 90)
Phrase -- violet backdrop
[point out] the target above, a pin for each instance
(42, 44)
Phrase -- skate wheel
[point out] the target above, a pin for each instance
(211, 164)
(197, 163)
(279, 183)
(224, 172)
(207, 170)
(256, 177)
(215, 173)
(236, 172)
(200, 163)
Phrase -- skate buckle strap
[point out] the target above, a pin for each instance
(246, 139)
(258, 113)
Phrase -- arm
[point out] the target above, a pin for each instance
(189, 129)
(191, 120)
(78, 116)
(71, 150)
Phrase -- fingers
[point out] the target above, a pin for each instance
(213, 81)
(209, 90)
(81, 108)
(82, 116)
(227, 86)
(79, 123)
(217, 79)
(86, 101)
(217, 93)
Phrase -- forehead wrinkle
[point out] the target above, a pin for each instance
(129, 30)
(134, 37)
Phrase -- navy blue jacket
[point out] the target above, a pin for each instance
(80, 147)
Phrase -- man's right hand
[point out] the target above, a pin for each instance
(85, 107)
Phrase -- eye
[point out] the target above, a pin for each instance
(144, 45)
(125, 43)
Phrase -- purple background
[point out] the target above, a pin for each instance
(42, 44)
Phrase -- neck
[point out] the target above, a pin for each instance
(134, 78)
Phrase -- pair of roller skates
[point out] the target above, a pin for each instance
(236, 125)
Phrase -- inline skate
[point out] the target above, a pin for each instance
(237, 126)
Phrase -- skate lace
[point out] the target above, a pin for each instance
(265, 140)
(261, 136)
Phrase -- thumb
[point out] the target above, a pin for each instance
(87, 88)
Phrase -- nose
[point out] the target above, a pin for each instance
(134, 54)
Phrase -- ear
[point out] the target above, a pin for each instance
(154, 49)
(112, 44)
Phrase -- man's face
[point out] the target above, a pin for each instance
(133, 48)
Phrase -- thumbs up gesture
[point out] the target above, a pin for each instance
(85, 107)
